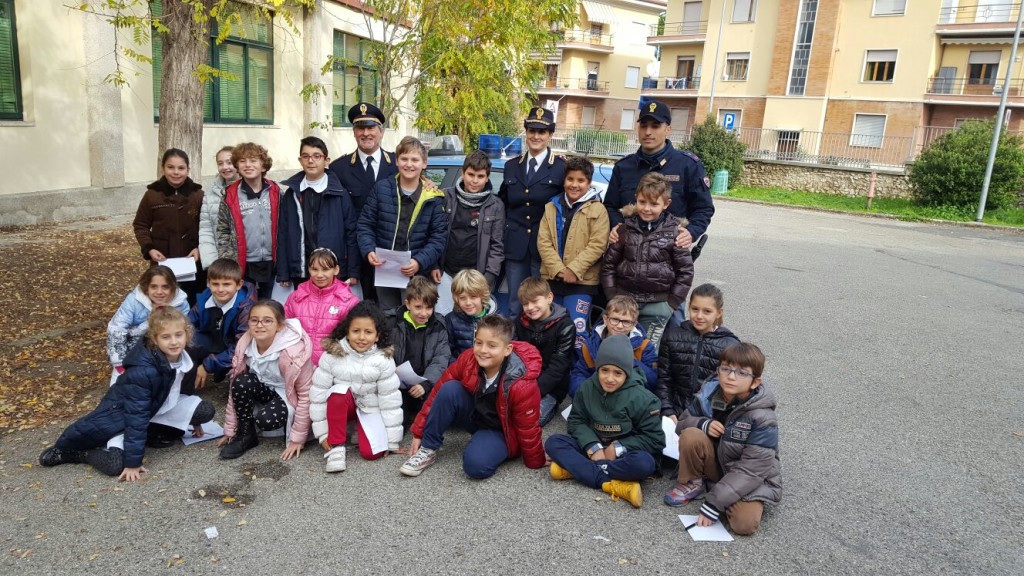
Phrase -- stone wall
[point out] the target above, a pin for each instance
(845, 181)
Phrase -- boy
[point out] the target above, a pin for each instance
(645, 262)
(472, 302)
(247, 220)
(316, 212)
(619, 318)
(220, 317)
(572, 241)
(729, 436)
(404, 214)
(548, 327)
(476, 227)
(614, 428)
(419, 337)
(490, 391)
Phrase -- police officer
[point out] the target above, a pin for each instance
(691, 189)
(360, 170)
(532, 179)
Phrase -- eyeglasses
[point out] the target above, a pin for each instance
(725, 371)
(624, 322)
(308, 157)
(262, 321)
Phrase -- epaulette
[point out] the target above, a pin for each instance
(690, 155)
(354, 156)
(385, 156)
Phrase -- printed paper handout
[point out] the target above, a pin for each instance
(714, 533)
(184, 268)
(389, 274)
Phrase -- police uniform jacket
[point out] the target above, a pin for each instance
(350, 171)
(525, 199)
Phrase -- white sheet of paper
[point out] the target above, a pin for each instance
(280, 293)
(714, 533)
(373, 426)
(211, 431)
(671, 438)
(389, 274)
(408, 376)
(445, 302)
(566, 412)
(184, 268)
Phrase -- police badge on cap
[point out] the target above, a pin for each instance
(366, 114)
(540, 119)
(655, 110)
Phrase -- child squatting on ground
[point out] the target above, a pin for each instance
(729, 445)
(472, 302)
(614, 428)
(549, 328)
(154, 392)
(356, 372)
(220, 317)
(419, 337)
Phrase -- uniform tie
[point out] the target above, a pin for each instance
(369, 168)
(532, 170)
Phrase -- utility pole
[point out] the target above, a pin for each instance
(718, 49)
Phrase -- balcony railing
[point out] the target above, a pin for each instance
(679, 28)
(588, 84)
(973, 86)
(827, 148)
(979, 14)
(665, 83)
(583, 37)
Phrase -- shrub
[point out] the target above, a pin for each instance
(718, 148)
(950, 171)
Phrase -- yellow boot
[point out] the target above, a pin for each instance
(559, 473)
(628, 491)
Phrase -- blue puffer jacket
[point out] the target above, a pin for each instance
(129, 324)
(428, 229)
(462, 328)
(336, 229)
(645, 357)
(233, 324)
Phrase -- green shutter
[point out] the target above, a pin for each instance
(261, 85)
(157, 42)
(231, 60)
(10, 81)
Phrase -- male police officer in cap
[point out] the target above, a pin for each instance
(531, 180)
(360, 170)
(691, 190)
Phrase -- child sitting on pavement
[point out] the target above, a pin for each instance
(549, 328)
(620, 317)
(420, 338)
(220, 317)
(472, 302)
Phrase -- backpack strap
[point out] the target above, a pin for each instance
(638, 353)
(587, 357)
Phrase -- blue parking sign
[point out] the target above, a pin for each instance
(729, 120)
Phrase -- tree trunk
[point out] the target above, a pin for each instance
(185, 47)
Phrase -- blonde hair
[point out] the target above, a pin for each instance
(625, 304)
(472, 282)
(163, 317)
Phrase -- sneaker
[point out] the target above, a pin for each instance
(682, 492)
(628, 491)
(54, 456)
(335, 459)
(559, 473)
(241, 443)
(418, 462)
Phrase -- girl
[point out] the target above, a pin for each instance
(157, 288)
(152, 392)
(357, 371)
(690, 349)
(226, 175)
(322, 301)
(272, 368)
(167, 221)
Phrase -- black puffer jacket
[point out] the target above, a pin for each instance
(555, 338)
(649, 267)
(437, 354)
(685, 360)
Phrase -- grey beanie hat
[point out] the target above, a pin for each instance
(617, 351)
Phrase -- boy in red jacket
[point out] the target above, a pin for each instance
(490, 391)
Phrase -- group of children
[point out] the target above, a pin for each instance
(326, 357)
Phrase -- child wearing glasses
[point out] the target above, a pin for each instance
(729, 445)
(620, 317)
(322, 302)
(316, 211)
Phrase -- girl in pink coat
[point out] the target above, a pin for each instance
(321, 302)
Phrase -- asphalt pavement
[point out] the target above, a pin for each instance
(895, 350)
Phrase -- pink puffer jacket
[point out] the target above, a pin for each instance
(320, 310)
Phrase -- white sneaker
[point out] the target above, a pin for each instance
(335, 459)
(418, 462)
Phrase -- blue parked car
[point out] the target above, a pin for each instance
(445, 171)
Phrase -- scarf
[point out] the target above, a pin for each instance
(469, 199)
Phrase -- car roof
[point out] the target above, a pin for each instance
(602, 170)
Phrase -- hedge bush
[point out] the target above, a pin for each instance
(718, 148)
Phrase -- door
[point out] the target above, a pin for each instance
(943, 83)
(993, 11)
(691, 17)
(948, 13)
(592, 70)
(551, 75)
(684, 73)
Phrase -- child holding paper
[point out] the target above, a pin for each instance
(405, 214)
(356, 371)
(420, 338)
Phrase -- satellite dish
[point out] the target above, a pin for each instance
(652, 68)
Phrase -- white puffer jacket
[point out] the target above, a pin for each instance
(208, 221)
(372, 380)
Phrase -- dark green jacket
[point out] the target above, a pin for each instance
(631, 415)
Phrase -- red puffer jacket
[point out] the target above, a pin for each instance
(518, 400)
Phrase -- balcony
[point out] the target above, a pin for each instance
(974, 91)
(584, 40)
(588, 88)
(978, 20)
(674, 33)
(665, 86)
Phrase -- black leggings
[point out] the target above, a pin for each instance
(204, 413)
(247, 391)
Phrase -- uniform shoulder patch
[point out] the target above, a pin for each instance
(707, 182)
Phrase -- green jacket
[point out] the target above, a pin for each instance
(631, 415)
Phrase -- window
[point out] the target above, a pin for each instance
(788, 144)
(736, 65)
(247, 54)
(868, 130)
(680, 119)
(889, 8)
(632, 76)
(743, 10)
(802, 48)
(880, 65)
(983, 67)
(10, 76)
(354, 79)
(589, 115)
(626, 122)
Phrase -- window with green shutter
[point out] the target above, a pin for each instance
(10, 75)
(354, 79)
(247, 54)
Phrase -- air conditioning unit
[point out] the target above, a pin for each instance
(997, 90)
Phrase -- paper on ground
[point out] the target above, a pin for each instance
(389, 274)
(671, 438)
(211, 430)
(714, 533)
(408, 376)
(184, 268)
(566, 412)
(373, 427)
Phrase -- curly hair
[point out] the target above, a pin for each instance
(365, 309)
(251, 150)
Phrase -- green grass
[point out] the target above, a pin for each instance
(903, 208)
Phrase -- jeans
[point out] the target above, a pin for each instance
(454, 405)
(634, 465)
(515, 272)
(548, 409)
